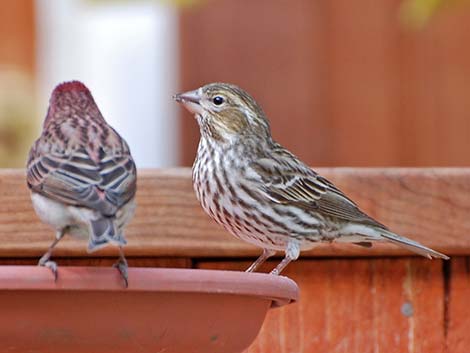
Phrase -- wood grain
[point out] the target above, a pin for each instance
(17, 36)
(458, 312)
(356, 306)
(362, 77)
(166, 262)
(428, 205)
(343, 82)
(283, 42)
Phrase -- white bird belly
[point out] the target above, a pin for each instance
(60, 216)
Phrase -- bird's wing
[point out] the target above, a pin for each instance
(76, 179)
(286, 180)
(119, 177)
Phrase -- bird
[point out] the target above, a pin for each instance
(262, 193)
(81, 175)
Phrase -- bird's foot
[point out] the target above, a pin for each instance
(267, 253)
(275, 272)
(292, 253)
(52, 265)
(252, 268)
(122, 266)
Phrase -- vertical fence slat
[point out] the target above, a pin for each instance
(357, 306)
(458, 312)
(343, 82)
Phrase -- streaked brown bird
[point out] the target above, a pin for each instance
(81, 174)
(262, 193)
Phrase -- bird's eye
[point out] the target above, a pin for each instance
(218, 100)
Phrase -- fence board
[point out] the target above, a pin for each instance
(343, 82)
(17, 35)
(429, 205)
(458, 320)
(166, 262)
(356, 306)
(283, 42)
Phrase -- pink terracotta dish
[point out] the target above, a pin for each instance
(163, 310)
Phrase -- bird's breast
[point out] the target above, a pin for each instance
(227, 191)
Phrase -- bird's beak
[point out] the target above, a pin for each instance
(191, 100)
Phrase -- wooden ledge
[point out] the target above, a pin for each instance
(429, 205)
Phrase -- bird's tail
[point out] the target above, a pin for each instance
(102, 232)
(411, 245)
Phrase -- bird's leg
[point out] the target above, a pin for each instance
(292, 253)
(44, 260)
(122, 266)
(267, 253)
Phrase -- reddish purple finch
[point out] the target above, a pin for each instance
(81, 174)
(262, 193)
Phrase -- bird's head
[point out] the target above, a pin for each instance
(225, 112)
(70, 99)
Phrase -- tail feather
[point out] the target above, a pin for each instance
(412, 245)
(102, 232)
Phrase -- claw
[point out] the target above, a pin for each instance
(121, 265)
(44, 260)
(50, 265)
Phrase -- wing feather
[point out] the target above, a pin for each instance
(288, 181)
(74, 178)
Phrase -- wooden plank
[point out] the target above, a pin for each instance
(356, 306)
(17, 35)
(458, 311)
(283, 42)
(343, 82)
(429, 205)
(362, 77)
(166, 262)
(433, 63)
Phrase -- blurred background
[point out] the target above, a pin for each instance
(345, 83)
